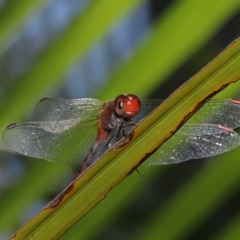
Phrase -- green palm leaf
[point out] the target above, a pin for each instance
(91, 187)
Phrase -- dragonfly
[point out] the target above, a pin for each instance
(79, 131)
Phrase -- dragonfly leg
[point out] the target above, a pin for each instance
(141, 175)
(109, 140)
(121, 139)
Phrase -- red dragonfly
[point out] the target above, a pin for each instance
(79, 131)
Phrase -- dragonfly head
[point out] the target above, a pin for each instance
(127, 105)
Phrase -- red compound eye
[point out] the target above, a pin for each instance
(127, 105)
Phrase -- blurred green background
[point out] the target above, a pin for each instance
(82, 48)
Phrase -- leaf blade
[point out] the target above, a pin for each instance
(115, 165)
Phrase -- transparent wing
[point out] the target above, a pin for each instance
(224, 112)
(193, 141)
(147, 106)
(64, 142)
(56, 109)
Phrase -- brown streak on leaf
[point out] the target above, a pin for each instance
(60, 197)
